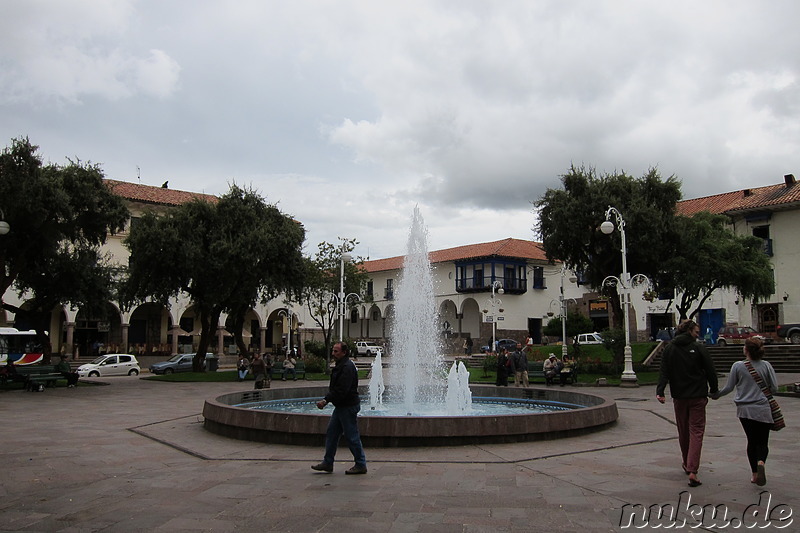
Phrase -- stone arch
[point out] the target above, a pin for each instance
(374, 322)
(471, 318)
(148, 329)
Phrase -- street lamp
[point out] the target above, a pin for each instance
(564, 314)
(287, 313)
(562, 310)
(624, 283)
(341, 298)
(495, 303)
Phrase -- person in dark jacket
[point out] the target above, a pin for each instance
(343, 394)
(503, 365)
(690, 373)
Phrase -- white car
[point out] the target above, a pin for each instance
(113, 364)
(368, 348)
(589, 338)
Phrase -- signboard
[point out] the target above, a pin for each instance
(598, 306)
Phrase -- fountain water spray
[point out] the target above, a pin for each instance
(417, 374)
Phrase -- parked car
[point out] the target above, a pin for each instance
(114, 364)
(589, 338)
(738, 334)
(177, 363)
(503, 344)
(790, 332)
(368, 348)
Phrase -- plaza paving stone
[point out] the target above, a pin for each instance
(132, 455)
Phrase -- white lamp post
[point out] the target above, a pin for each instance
(623, 284)
(341, 298)
(495, 303)
(564, 314)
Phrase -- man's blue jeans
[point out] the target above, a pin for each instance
(344, 420)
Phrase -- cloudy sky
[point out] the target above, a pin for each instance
(347, 114)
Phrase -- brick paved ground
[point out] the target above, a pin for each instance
(133, 456)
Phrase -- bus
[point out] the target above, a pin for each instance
(19, 347)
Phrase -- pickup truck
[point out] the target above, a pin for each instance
(790, 332)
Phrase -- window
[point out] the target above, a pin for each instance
(389, 291)
(538, 278)
(762, 232)
(369, 289)
(477, 277)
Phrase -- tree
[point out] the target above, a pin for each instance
(710, 257)
(323, 284)
(576, 323)
(225, 256)
(60, 215)
(569, 222)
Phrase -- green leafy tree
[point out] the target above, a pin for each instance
(323, 284)
(59, 215)
(570, 218)
(225, 256)
(710, 256)
(576, 323)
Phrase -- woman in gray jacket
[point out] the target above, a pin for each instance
(752, 406)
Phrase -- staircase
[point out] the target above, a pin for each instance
(782, 357)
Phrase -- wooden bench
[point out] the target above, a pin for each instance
(299, 368)
(538, 375)
(37, 377)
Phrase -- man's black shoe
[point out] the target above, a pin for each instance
(324, 467)
(356, 470)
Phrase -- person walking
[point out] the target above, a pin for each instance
(752, 407)
(520, 367)
(343, 394)
(690, 373)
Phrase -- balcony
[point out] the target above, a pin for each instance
(510, 285)
(388, 294)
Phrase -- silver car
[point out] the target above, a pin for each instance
(113, 364)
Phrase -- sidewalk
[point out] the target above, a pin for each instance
(133, 456)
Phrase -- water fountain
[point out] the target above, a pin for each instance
(423, 404)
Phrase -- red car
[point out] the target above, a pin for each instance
(738, 334)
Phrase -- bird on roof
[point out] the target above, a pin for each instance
(165, 185)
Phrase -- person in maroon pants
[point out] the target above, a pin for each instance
(690, 373)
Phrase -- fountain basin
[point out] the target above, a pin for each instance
(223, 417)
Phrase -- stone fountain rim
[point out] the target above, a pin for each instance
(221, 416)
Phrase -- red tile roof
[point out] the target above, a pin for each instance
(516, 248)
(155, 195)
(772, 196)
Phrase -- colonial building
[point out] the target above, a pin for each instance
(507, 288)
(151, 328)
(771, 213)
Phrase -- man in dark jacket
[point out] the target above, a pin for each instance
(690, 372)
(343, 394)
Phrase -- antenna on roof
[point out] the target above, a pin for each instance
(139, 174)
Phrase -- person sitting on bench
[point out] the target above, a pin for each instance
(66, 371)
